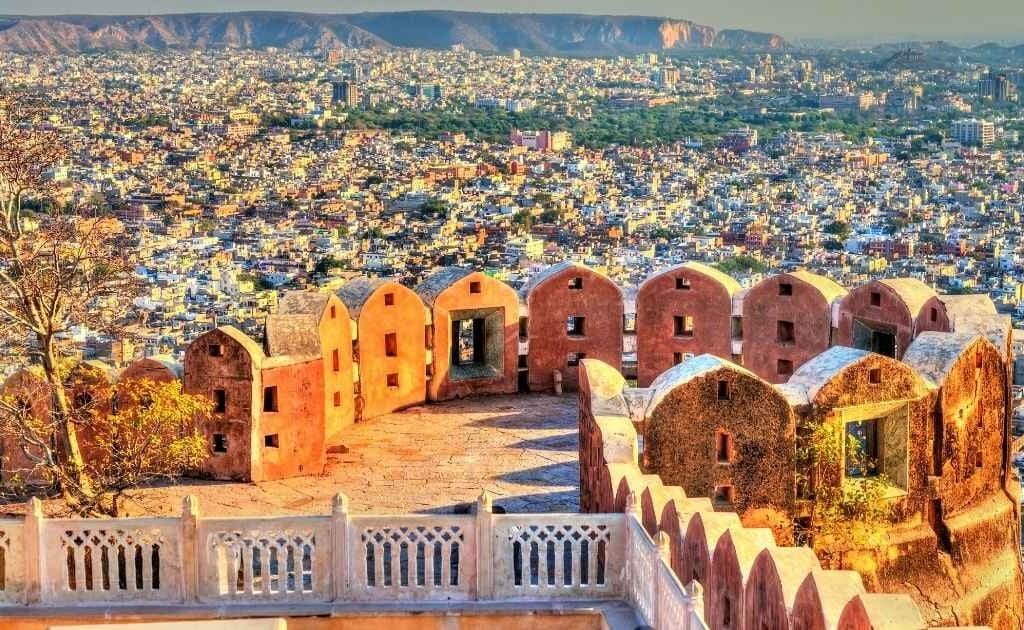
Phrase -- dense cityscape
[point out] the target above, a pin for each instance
(242, 173)
(785, 283)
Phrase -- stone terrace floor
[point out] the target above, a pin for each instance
(429, 458)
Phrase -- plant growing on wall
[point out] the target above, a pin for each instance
(847, 514)
(139, 432)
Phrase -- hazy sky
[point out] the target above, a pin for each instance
(1002, 19)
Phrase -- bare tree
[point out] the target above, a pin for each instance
(59, 270)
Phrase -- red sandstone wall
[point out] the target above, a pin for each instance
(658, 301)
(406, 318)
(336, 345)
(493, 293)
(29, 387)
(891, 312)
(236, 374)
(147, 369)
(300, 446)
(680, 441)
(933, 316)
(764, 307)
(550, 304)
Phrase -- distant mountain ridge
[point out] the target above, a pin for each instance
(551, 34)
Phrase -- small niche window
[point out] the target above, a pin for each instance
(862, 449)
(682, 284)
(677, 358)
(784, 367)
(575, 325)
(220, 400)
(723, 390)
(683, 325)
(216, 350)
(875, 376)
(337, 399)
(629, 323)
(933, 314)
(785, 288)
(389, 299)
(393, 381)
(334, 311)
(573, 358)
(391, 345)
(786, 332)
(272, 441)
(876, 298)
(724, 494)
(270, 398)
(576, 284)
(978, 361)
(723, 446)
(336, 360)
(474, 287)
(220, 443)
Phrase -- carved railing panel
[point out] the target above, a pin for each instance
(557, 556)
(111, 561)
(265, 559)
(12, 562)
(412, 557)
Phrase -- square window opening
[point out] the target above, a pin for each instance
(784, 367)
(785, 288)
(576, 284)
(723, 390)
(723, 447)
(220, 400)
(272, 441)
(573, 358)
(786, 332)
(575, 325)
(393, 381)
(391, 344)
(389, 299)
(724, 494)
(270, 398)
(216, 350)
(677, 358)
(875, 376)
(683, 325)
(220, 443)
(682, 284)
(876, 298)
(474, 287)
(862, 449)
(337, 399)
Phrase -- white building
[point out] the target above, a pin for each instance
(973, 131)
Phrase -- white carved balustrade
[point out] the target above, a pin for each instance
(265, 559)
(412, 558)
(558, 556)
(126, 561)
(341, 557)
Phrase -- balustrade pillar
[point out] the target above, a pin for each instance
(191, 549)
(339, 547)
(484, 547)
(33, 551)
